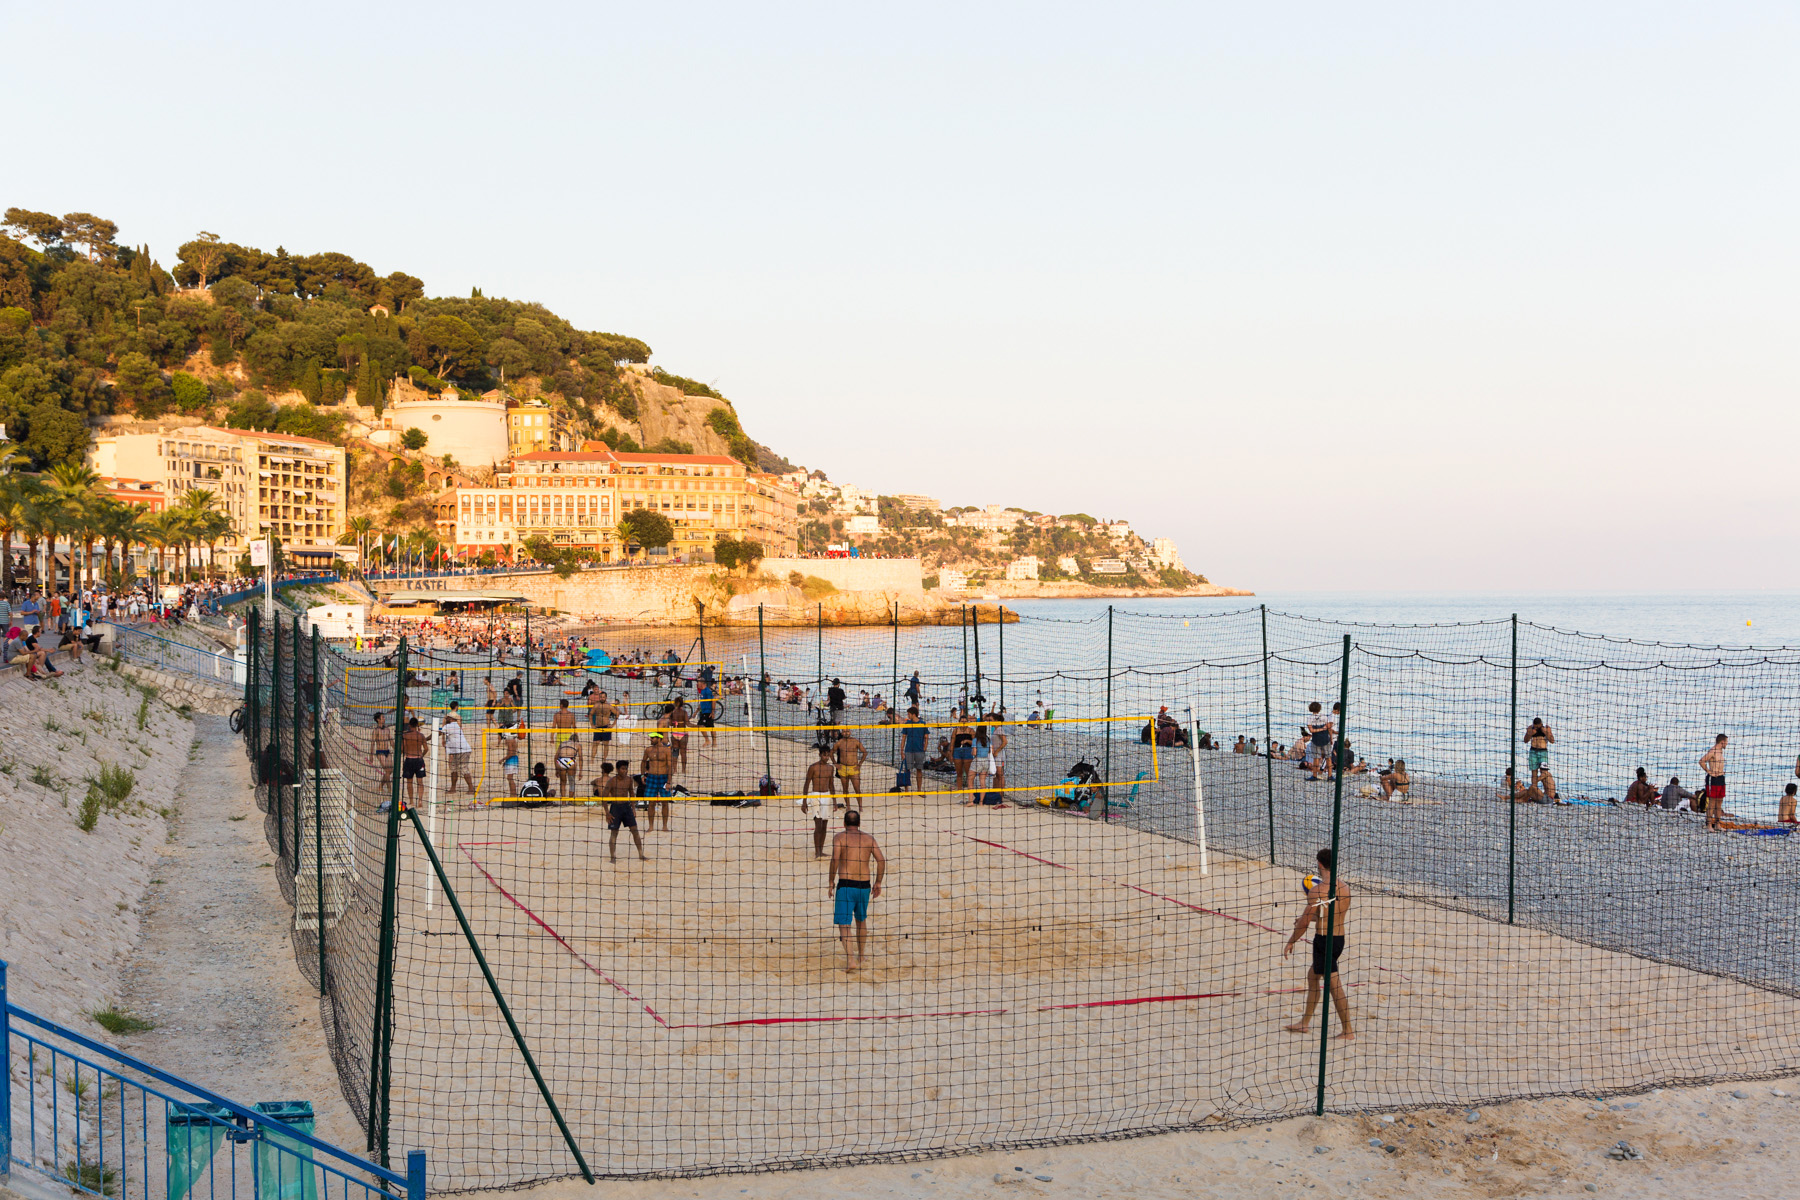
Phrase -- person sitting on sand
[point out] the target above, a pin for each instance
(1521, 795)
(1396, 780)
(1676, 798)
(1238, 747)
(1786, 815)
(1361, 767)
(1328, 912)
(1642, 791)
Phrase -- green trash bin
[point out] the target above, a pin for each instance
(440, 697)
(194, 1133)
(284, 1167)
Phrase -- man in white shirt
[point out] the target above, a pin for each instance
(456, 746)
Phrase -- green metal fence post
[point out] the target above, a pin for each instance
(274, 782)
(318, 808)
(762, 686)
(1000, 615)
(962, 622)
(975, 636)
(499, 998)
(1268, 734)
(298, 793)
(819, 687)
(255, 698)
(1337, 863)
(894, 694)
(1512, 774)
(1106, 779)
(381, 1046)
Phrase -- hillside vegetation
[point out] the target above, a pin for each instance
(91, 328)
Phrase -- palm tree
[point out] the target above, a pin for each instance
(120, 525)
(213, 525)
(161, 530)
(72, 488)
(356, 533)
(18, 496)
(192, 511)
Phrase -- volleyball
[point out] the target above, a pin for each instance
(1308, 882)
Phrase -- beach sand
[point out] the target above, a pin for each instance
(1034, 977)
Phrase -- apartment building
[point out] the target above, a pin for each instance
(774, 520)
(530, 428)
(292, 487)
(576, 498)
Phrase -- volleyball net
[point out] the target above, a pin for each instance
(1092, 838)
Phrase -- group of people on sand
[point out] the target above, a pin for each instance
(1710, 798)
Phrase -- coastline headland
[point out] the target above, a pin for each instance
(834, 591)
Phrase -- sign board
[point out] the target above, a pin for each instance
(259, 552)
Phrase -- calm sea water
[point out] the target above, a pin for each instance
(1703, 618)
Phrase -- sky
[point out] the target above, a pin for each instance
(1383, 296)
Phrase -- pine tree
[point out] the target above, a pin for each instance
(311, 385)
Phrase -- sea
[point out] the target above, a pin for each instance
(1625, 679)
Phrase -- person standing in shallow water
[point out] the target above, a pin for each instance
(1328, 912)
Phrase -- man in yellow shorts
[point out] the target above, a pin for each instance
(850, 758)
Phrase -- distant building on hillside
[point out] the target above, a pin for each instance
(919, 503)
(1108, 566)
(1067, 565)
(1119, 530)
(863, 524)
(952, 581)
(1164, 554)
(993, 517)
(1025, 568)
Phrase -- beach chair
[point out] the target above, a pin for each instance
(1118, 808)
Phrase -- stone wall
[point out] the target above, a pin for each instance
(178, 690)
(853, 574)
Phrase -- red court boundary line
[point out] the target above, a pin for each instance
(978, 1012)
(560, 940)
(1211, 912)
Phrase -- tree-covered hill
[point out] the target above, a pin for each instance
(89, 327)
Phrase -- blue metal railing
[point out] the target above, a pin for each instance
(97, 1131)
(147, 649)
(220, 603)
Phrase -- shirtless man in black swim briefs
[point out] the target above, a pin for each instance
(614, 785)
(1328, 911)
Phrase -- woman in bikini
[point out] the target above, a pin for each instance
(962, 754)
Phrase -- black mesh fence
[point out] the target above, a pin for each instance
(627, 959)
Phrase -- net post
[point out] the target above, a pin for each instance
(1268, 734)
(1106, 786)
(819, 688)
(6, 1121)
(274, 782)
(437, 869)
(318, 808)
(1337, 868)
(975, 632)
(381, 1044)
(962, 621)
(254, 700)
(415, 1175)
(1512, 775)
(299, 728)
(1000, 619)
(762, 687)
(894, 694)
(1199, 795)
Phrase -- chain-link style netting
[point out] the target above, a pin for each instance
(1089, 879)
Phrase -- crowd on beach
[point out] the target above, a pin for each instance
(1319, 749)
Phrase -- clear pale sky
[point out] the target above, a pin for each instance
(1381, 296)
